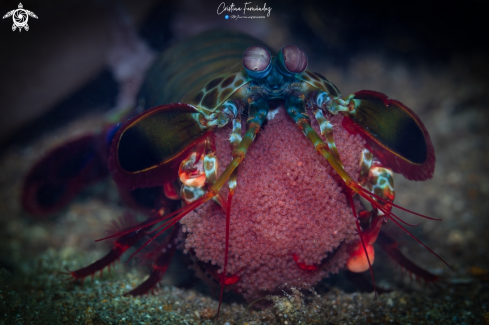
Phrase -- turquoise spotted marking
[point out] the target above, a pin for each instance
(382, 183)
(191, 194)
(327, 130)
(382, 180)
(232, 183)
(332, 104)
(210, 168)
(365, 164)
(322, 98)
(236, 137)
(228, 112)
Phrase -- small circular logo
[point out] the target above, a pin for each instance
(227, 16)
(20, 17)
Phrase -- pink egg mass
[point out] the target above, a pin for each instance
(288, 202)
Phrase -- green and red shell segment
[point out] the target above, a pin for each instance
(148, 149)
(317, 81)
(202, 71)
(394, 133)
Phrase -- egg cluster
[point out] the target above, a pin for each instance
(288, 201)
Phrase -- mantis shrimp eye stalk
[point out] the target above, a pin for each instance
(257, 61)
(291, 60)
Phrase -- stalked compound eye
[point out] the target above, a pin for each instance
(291, 60)
(257, 61)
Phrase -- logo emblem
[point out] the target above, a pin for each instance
(20, 17)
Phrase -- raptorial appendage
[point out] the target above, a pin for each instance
(372, 115)
(379, 181)
(193, 178)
